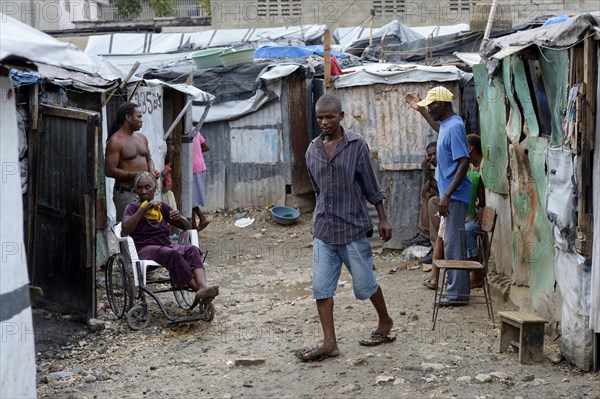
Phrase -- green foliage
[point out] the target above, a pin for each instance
(133, 8)
(206, 6)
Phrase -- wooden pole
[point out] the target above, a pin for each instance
(123, 83)
(488, 26)
(327, 50)
(372, 13)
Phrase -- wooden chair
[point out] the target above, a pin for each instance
(484, 241)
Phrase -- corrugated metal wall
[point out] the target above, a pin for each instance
(245, 161)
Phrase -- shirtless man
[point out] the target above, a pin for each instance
(127, 154)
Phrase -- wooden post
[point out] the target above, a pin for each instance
(488, 26)
(327, 50)
(123, 83)
(372, 13)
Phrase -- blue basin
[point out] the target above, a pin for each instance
(284, 214)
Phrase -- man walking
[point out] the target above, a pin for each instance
(127, 154)
(343, 179)
(455, 190)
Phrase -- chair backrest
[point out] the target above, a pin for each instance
(128, 241)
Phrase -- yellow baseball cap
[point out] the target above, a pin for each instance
(438, 93)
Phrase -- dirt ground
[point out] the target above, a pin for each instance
(265, 312)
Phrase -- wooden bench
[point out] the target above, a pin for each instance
(525, 332)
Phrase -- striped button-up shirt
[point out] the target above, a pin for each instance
(342, 184)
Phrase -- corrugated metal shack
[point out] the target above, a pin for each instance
(258, 132)
(537, 97)
(373, 101)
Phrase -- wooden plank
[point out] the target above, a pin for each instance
(530, 122)
(521, 317)
(587, 122)
(492, 112)
(457, 264)
(514, 125)
(66, 112)
(327, 49)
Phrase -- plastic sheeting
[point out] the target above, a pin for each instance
(157, 43)
(396, 74)
(561, 35)
(561, 200)
(22, 41)
(238, 90)
(354, 40)
(293, 52)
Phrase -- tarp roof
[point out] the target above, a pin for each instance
(160, 43)
(557, 36)
(391, 74)
(239, 90)
(21, 41)
(354, 40)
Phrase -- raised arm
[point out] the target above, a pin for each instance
(412, 100)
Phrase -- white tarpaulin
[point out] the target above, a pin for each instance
(17, 352)
(394, 74)
(158, 43)
(20, 40)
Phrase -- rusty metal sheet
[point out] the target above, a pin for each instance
(298, 133)
(492, 116)
(395, 132)
(555, 69)
(514, 124)
(530, 122)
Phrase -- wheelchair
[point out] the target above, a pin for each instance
(126, 283)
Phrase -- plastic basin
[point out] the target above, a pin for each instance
(208, 58)
(235, 57)
(284, 214)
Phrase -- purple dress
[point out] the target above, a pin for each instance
(152, 243)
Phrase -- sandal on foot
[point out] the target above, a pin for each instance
(376, 339)
(205, 293)
(431, 284)
(313, 354)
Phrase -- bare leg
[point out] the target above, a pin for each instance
(325, 309)
(199, 280)
(476, 277)
(438, 253)
(202, 223)
(385, 321)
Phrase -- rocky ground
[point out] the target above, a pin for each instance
(265, 312)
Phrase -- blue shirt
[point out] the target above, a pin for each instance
(451, 146)
(343, 185)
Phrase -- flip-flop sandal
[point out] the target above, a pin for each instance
(312, 354)
(429, 284)
(377, 339)
(205, 293)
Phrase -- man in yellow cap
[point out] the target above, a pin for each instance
(455, 190)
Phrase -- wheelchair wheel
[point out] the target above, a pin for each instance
(209, 310)
(119, 285)
(138, 318)
(184, 297)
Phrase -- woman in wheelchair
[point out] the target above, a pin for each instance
(147, 222)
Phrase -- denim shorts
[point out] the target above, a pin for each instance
(327, 266)
(472, 231)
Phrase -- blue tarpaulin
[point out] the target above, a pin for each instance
(292, 52)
